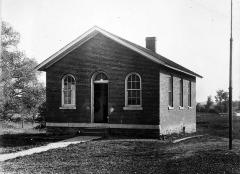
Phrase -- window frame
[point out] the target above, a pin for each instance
(133, 107)
(189, 94)
(73, 97)
(181, 93)
(170, 105)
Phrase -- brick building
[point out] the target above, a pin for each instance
(104, 81)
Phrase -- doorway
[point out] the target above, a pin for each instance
(99, 99)
(100, 102)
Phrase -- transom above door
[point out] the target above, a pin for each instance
(100, 78)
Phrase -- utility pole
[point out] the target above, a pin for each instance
(0, 28)
(1, 85)
(230, 86)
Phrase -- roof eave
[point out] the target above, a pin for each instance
(199, 76)
(72, 45)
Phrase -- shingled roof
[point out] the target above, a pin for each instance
(93, 32)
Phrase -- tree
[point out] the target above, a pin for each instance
(200, 107)
(22, 92)
(42, 113)
(209, 103)
(222, 100)
(10, 38)
(32, 98)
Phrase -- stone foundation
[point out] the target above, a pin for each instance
(143, 133)
(188, 128)
(64, 130)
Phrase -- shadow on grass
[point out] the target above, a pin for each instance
(10, 143)
(24, 139)
(12, 140)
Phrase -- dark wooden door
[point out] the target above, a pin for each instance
(100, 102)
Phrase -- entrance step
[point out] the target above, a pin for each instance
(95, 131)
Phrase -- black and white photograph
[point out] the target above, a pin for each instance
(120, 86)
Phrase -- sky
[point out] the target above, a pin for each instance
(193, 33)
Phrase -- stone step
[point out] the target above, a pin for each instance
(95, 131)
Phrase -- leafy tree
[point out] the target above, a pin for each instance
(222, 100)
(10, 38)
(32, 98)
(209, 103)
(42, 113)
(21, 91)
(200, 107)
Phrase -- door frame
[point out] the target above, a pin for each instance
(92, 91)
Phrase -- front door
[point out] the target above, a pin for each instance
(100, 102)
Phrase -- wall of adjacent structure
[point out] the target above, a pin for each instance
(176, 120)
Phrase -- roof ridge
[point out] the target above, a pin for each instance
(135, 47)
(152, 52)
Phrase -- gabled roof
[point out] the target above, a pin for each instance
(139, 49)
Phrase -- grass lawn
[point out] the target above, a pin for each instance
(8, 127)
(207, 154)
(14, 138)
(216, 125)
(201, 155)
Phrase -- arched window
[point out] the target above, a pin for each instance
(68, 90)
(133, 91)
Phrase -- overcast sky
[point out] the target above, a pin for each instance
(193, 33)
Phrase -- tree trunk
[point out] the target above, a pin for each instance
(32, 119)
(221, 107)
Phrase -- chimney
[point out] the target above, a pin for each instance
(151, 43)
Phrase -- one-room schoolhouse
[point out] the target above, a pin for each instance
(101, 80)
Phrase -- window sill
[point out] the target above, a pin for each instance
(170, 107)
(68, 107)
(131, 108)
(181, 107)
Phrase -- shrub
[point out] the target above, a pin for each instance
(42, 113)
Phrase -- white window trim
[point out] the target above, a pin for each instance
(181, 94)
(181, 107)
(68, 106)
(189, 93)
(132, 107)
(172, 83)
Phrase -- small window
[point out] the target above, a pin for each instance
(170, 91)
(68, 90)
(133, 90)
(181, 93)
(189, 94)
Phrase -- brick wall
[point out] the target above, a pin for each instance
(174, 120)
(102, 54)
